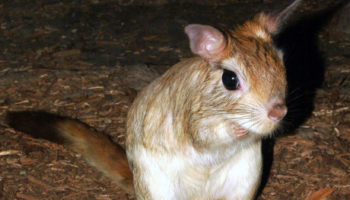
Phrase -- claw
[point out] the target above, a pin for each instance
(239, 131)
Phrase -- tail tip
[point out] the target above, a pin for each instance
(38, 124)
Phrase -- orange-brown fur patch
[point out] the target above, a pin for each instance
(99, 151)
(259, 57)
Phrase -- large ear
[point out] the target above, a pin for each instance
(273, 22)
(206, 41)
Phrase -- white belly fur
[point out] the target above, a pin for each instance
(179, 177)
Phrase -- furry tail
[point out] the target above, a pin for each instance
(96, 148)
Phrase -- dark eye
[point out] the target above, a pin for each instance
(230, 80)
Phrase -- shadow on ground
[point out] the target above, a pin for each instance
(305, 66)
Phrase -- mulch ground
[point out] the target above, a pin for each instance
(87, 60)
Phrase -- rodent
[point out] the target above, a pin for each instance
(195, 132)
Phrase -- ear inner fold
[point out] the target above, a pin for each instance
(206, 41)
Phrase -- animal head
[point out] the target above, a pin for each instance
(248, 81)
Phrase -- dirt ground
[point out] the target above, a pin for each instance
(88, 59)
